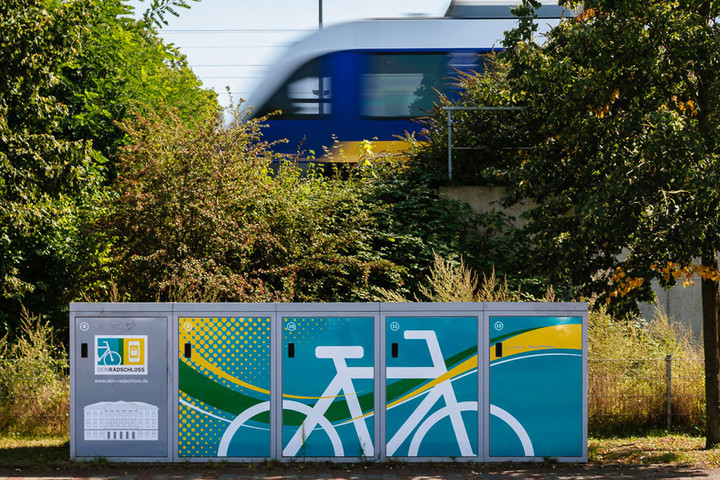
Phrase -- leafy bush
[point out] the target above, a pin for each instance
(199, 212)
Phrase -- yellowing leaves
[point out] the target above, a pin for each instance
(624, 284)
(687, 273)
(605, 109)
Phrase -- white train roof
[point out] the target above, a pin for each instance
(386, 34)
(502, 9)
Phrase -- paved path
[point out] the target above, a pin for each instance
(371, 472)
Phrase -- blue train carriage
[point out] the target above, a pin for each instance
(368, 80)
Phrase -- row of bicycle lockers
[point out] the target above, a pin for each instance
(328, 381)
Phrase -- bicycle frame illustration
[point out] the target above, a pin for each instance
(108, 356)
(443, 390)
(418, 421)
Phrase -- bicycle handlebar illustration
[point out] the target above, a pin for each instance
(419, 421)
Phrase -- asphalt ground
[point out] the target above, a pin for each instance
(365, 472)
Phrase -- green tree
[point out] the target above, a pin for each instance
(621, 114)
(47, 183)
(122, 67)
(70, 70)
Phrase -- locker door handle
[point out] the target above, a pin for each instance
(83, 350)
(291, 350)
(498, 349)
(188, 350)
(394, 352)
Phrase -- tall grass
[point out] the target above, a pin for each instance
(454, 281)
(627, 357)
(34, 381)
(627, 375)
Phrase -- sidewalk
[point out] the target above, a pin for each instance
(369, 472)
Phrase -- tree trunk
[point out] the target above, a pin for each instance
(711, 334)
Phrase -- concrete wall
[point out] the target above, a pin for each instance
(682, 304)
(484, 200)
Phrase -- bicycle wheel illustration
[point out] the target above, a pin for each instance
(110, 358)
(289, 451)
(516, 427)
(437, 416)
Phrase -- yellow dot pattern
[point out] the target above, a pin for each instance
(198, 434)
(304, 329)
(237, 347)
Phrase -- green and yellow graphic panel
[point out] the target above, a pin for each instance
(432, 386)
(328, 387)
(536, 393)
(224, 387)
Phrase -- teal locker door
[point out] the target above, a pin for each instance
(536, 387)
(224, 387)
(432, 386)
(328, 387)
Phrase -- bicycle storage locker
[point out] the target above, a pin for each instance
(252, 382)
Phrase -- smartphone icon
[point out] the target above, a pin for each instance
(134, 349)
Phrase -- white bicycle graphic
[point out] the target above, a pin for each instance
(106, 356)
(418, 422)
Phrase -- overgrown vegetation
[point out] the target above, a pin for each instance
(34, 382)
(204, 210)
(627, 375)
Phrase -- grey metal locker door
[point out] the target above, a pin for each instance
(121, 393)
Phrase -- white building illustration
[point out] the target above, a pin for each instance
(121, 421)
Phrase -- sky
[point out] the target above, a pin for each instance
(234, 42)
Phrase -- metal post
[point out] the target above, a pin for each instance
(668, 390)
(449, 128)
(468, 109)
(320, 15)
(321, 73)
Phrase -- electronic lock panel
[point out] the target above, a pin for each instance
(224, 386)
(536, 386)
(120, 385)
(431, 386)
(328, 395)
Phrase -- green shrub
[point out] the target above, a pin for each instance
(34, 382)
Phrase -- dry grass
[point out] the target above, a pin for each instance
(627, 375)
(665, 449)
(34, 385)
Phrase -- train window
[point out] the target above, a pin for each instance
(402, 85)
(305, 93)
(465, 62)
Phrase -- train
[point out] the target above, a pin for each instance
(371, 79)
